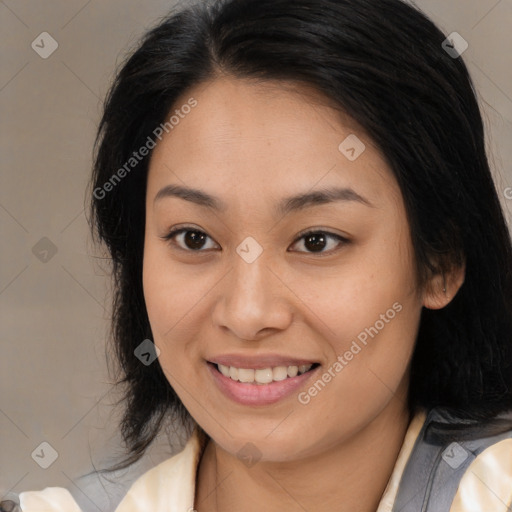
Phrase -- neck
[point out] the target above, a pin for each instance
(351, 477)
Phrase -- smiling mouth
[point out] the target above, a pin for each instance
(263, 376)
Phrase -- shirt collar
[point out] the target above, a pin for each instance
(171, 485)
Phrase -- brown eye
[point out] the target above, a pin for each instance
(194, 240)
(317, 241)
(188, 239)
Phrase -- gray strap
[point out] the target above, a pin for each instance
(445, 448)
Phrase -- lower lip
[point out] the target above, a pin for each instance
(256, 394)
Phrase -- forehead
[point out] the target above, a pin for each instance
(265, 136)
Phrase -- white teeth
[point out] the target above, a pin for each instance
(224, 370)
(280, 373)
(263, 375)
(245, 375)
(292, 371)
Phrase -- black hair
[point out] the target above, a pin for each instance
(383, 63)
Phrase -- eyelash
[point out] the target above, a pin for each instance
(343, 241)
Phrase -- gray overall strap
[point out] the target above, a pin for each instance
(443, 451)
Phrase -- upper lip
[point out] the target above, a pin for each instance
(259, 361)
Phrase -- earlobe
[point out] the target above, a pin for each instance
(442, 288)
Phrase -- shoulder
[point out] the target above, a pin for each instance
(51, 499)
(457, 461)
(168, 486)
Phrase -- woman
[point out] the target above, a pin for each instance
(311, 264)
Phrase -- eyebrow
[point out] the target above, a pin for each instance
(285, 206)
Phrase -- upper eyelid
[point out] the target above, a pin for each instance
(179, 230)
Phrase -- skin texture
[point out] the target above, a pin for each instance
(251, 144)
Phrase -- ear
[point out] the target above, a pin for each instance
(442, 287)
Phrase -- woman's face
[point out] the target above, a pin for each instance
(243, 288)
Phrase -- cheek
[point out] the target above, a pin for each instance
(175, 297)
(160, 301)
(346, 301)
(376, 341)
(368, 314)
(165, 308)
(165, 294)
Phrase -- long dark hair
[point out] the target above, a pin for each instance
(382, 63)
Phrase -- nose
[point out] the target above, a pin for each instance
(253, 302)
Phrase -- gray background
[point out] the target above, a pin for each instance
(54, 307)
